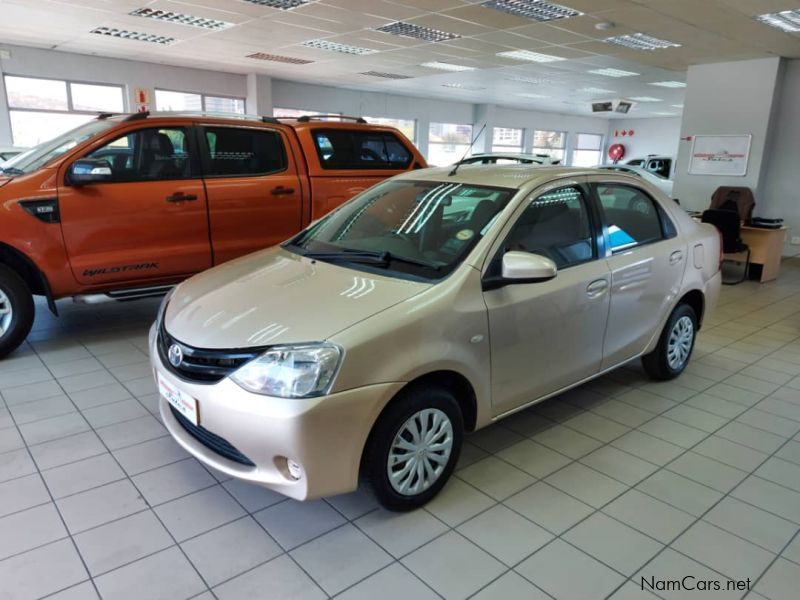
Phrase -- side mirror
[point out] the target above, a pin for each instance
(90, 170)
(527, 267)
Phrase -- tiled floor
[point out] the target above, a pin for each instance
(579, 497)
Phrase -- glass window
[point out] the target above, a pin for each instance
(448, 143)
(555, 225)
(293, 113)
(239, 151)
(352, 149)
(147, 155)
(407, 126)
(31, 128)
(632, 216)
(551, 143)
(224, 105)
(588, 150)
(506, 139)
(43, 94)
(97, 98)
(178, 101)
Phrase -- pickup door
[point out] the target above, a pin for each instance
(255, 193)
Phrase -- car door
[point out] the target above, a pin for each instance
(255, 196)
(149, 221)
(646, 260)
(547, 335)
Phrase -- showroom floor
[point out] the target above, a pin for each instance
(578, 497)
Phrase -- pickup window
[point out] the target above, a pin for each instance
(348, 149)
(236, 151)
(148, 155)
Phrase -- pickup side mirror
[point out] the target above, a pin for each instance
(90, 170)
(521, 267)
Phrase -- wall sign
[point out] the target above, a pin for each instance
(141, 95)
(720, 155)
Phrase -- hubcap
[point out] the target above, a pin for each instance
(6, 313)
(420, 452)
(680, 342)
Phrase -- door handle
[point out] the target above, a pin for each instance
(597, 288)
(281, 191)
(675, 257)
(181, 197)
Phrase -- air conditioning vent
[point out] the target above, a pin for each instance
(278, 58)
(426, 34)
(538, 10)
(138, 36)
(337, 47)
(282, 4)
(181, 19)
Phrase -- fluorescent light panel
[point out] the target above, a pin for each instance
(645, 99)
(640, 41)
(337, 47)
(443, 66)
(282, 4)
(426, 34)
(786, 20)
(532, 80)
(279, 58)
(538, 10)
(462, 86)
(596, 90)
(384, 75)
(181, 18)
(534, 96)
(125, 34)
(676, 105)
(669, 84)
(613, 73)
(530, 56)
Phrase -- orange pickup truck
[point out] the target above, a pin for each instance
(126, 206)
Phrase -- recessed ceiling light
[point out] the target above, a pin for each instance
(676, 105)
(530, 56)
(787, 20)
(181, 18)
(410, 30)
(138, 36)
(533, 80)
(665, 114)
(337, 47)
(534, 96)
(462, 86)
(645, 99)
(384, 75)
(596, 90)
(282, 4)
(443, 66)
(538, 10)
(641, 41)
(613, 72)
(669, 84)
(279, 58)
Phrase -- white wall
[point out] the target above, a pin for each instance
(650, 136)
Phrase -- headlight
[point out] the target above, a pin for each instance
(163, 308)
(301, 371)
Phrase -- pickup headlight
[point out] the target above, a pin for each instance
(298, 371)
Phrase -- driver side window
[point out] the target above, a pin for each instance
(147, 155)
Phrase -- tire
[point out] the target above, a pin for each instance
(678, 335)
(16, 311)
(431, 407)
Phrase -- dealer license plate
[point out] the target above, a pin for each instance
(182, 402)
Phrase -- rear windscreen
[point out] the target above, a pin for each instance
(353, 149)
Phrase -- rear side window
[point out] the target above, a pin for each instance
(236, 151)
(360, 149)
(633, 217)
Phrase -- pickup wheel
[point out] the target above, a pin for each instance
(671, 355)
(16, 311)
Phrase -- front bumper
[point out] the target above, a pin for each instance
(325, 435)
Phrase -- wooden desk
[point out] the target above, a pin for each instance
(766, 247)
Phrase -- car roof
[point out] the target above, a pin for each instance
(508, 155)
(505, 176)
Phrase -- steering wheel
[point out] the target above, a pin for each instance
(371, 154)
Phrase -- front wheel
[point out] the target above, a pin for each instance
(671, 355)
(414, 447)
(16, 311)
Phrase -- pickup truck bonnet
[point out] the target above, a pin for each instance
(277, 297)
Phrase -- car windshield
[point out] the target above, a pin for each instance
(421, 229)
(37, 157)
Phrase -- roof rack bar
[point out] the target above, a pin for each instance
(307, 118)
(137, 116)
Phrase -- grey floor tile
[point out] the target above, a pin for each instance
(293, 523)
(730, 453)
(781, 471)
(650, 516)
(619, 465)
(100, 505)
(340, 558)
(198, 512)
(32, 392)
(587, 485)
(494, 438)
(495, 478)
(28, 412)
(622, 412)
(230, 550)
(680, 492)
(457, 502)
(128, 433)
(400, 533)
(22, 575)
(98, 396)
(470, 454)
(752, 437)
(82, 475)
(23, 377)
(632, 591)
(567, 441)
(565, 572)
(150, 455)
(780, 581)
(76, 367)
(16, 463)
(395, 582)
(354, 504)
(82, 591)
(693, 417)
(120, 542)
(10, 439)
(760, 527)
(653, 403)
(768, 422)
(792, 551)
(505, 534)
(665, 574)
(647, 447)
(780, 408)
(278, 579)
(172, 481)
(673, 432)
(549, 507)
(117, 412)
(511, 586)
(53, 428)
(770, 496)
(716, 405)
(453, 566)
(596, 426)
(253, 497)
(533, 458)
(30, 528)
(85, 381)
(166, 575)
(790, 452)
(21, 493)
(707, 471)
(735, 394)
(66, 450)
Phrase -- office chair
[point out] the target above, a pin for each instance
(739, 199)
(730, 226)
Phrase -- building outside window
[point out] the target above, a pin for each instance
(507, 139)
(448, 143)
(293, 113)
(588, 151)
(407, 126)
(552, 143)
(188, 101)
(41, 109)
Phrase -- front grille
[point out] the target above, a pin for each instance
(200, 365)
(212, 441)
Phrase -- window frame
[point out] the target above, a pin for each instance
(205, 150)
(317, 131)
(202, 95)
(543, 150)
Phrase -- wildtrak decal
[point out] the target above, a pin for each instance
(120, 269)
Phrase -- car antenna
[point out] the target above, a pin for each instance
(458, 164)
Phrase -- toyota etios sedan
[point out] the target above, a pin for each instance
(428, 306)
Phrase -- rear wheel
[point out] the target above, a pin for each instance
(671, 355)
(414, 447)
(16, 311)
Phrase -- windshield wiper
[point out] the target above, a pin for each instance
(369, 256)
(11, 171)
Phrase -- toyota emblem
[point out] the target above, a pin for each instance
(175, 355)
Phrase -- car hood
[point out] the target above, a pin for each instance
(277, 297)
